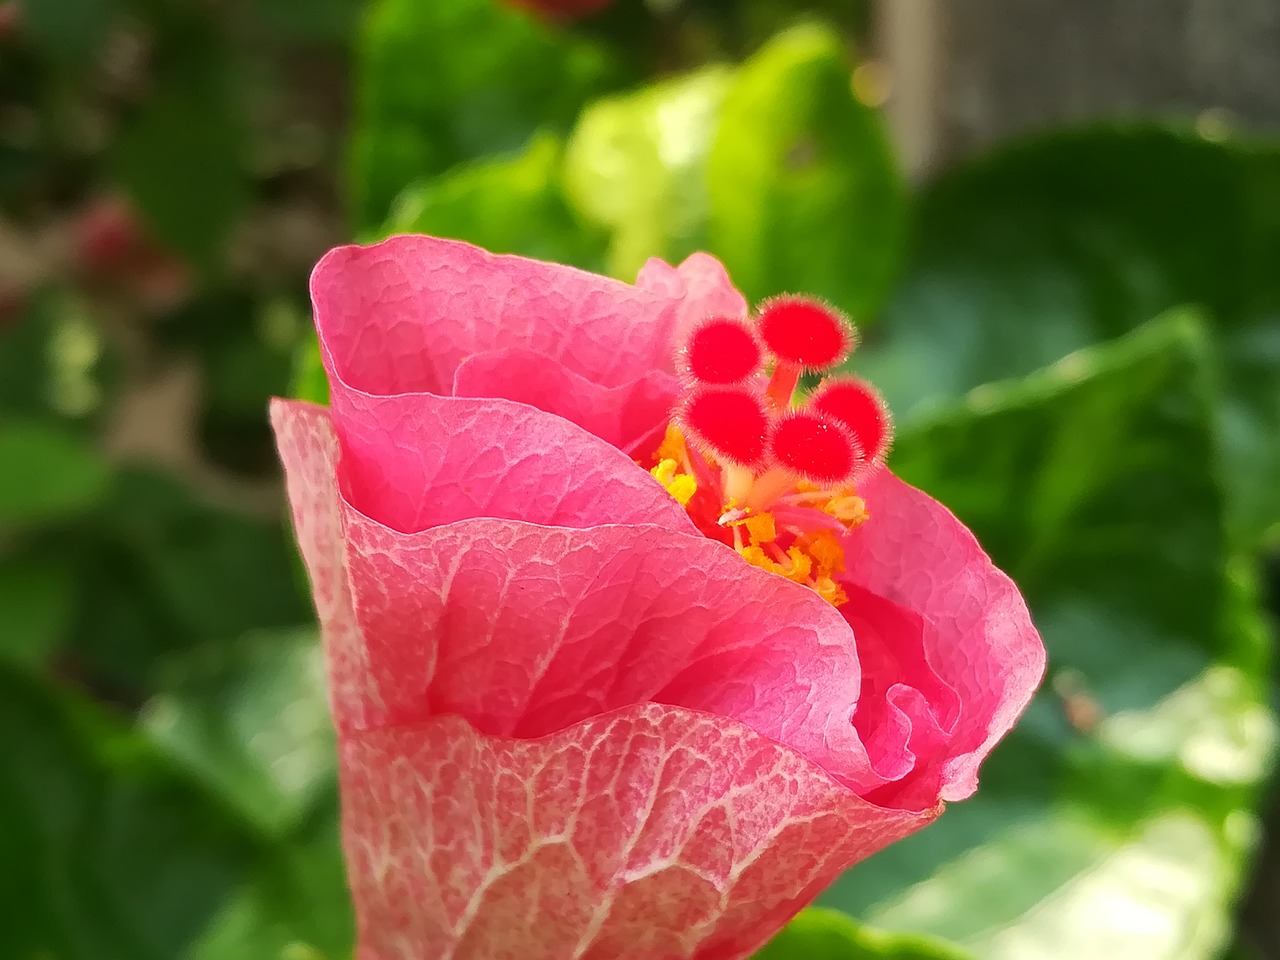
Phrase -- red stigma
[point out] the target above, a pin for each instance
(816, 447)
(860, 407)
(731, 423)
(805, 333)
(721, 352)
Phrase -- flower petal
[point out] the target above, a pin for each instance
(525, 630)
(896, 672)
(414, 461)
(401, 315)
(654, 831)
(700, 283)
(625, 416)
(977, 630)
(309, 449)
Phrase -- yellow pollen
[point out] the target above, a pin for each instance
(672, 446)
(680, 485)
(800, 566)
(762, 528)
(831, 591)
(826, 551)
(848, 508)
(813, 560)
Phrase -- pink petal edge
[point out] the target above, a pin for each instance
(400, 316)
(414, 461)
(979, 635)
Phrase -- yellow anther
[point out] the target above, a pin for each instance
(680, 485)
(762, 528)
(826, 551)
(848, 508)
(758, 558)
(672, 446)
(831, 591)
(800, 566)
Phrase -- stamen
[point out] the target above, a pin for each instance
(731, 423)
(782, 384)
(860, 407)
(806, 333)
(721, 352)
(816, 447)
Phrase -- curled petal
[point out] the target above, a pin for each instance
(414, 461)
(400, 316)
(700, 284)
(978, 634)
(629, 416)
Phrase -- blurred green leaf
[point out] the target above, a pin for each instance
(251, 722)
(37, 594)
(1117, 819)
(507, 205)
(817, 934)
(107, 856)
(161, 572)
(774, 167)
(328, 21)
(804, 190)
(637, 164)
(70, 31)
(1047, 246)
(49, 474)
(296, 908)
(451, 80)
(180, 158)
(309, 381)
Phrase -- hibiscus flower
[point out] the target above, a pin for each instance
(632, 649)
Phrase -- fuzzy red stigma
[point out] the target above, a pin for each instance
(721, 352)
(731, 423)
(861, 408)
(815, 447)
(805, 332)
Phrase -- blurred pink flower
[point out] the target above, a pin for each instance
(609, 684)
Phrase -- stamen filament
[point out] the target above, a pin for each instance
(768, 487)
(738, 482)
(782, 384)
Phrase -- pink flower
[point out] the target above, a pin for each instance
(608, 687)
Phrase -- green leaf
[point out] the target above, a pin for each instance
(107, 855)
(296, 908)
(180, 157)
(49, 474)
(1118, 817)
(507, 205)
(161, 572)
(70, 31)
(447, 81)
(774, 167)
(1047, 246)
(817, 934)
(251, 723)
(36, 598)
(309, 381)
(637, 165)
(804, 191)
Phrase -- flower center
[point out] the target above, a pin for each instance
(767, 472)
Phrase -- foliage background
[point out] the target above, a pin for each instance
(1079, 333)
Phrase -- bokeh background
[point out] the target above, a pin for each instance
(1056, 221)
